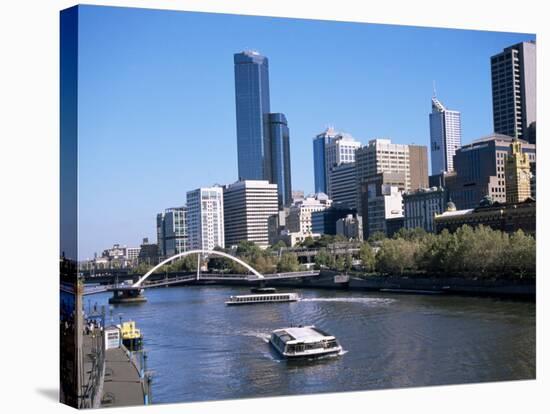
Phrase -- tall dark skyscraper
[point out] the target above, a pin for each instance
(252, 107)
(262, 137)
(280, 157)
(513, 76)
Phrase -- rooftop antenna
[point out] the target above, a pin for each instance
(434, 88)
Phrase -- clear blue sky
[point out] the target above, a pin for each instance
(157, 105)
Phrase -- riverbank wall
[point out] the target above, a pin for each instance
(428, 285)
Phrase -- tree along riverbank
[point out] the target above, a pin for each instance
(469, 253)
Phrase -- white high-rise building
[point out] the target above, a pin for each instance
(341, 150)
(247, 206)
(205, 218)
(299, 216)
(445, 137)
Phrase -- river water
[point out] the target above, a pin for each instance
(200, 349)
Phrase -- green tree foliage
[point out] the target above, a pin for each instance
(288, 263)
(480, 252)
(396, 255)
(377, 236)
(367, 257)
(322, 258)
(279, 245)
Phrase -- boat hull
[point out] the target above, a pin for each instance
(304, 355)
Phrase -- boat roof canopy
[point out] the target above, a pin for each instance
(302, 334)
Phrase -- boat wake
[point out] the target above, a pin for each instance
(261, 335)
(366, 301)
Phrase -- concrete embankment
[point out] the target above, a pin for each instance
(440, 285)
(123, 383)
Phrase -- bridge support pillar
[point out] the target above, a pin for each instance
(127, 294)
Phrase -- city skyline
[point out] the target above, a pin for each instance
(159, 131)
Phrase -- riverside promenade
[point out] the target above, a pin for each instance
(113, 377)
(123, 383)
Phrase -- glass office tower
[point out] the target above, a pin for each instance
(252, 108)
(320, 142)
(280, 158)
(445, 137)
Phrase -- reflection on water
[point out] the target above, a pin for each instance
(201, 349)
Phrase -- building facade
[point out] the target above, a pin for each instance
(340, 150)
(380, 203)
(320, 142)
(299, 215)
(324, 221)
(342, 184)
(513, 77)
(382, 156)
(504, 217)
(280, 158)
(205, 225)
(148, 252)
(247, 206)
(252, 111)
(518, 174)
(480, 170)
(445, 137)
(172, 235)
(350, 227)
(421, 206)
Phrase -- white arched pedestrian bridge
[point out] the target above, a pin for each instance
(200, 252)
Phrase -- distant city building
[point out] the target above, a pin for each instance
(252, 109)
(340, 150)
(418, 166)
(394, 224)
(531, 137)
(132, 253)
(148, 252)
(324, 221)
(342, 184)
(518, 174)
(381, 155)
(381, 202)
(297, 195)
(276, 224)
(280, 158)
(499, 216)
(291, 239)
(299, 216)
(421, 206)
(445, 136)
(320, 143)
(350, 227)
(247, 205)
(172, 235)
(479, 170)
(374, 189)
(205, 225)
(513, 76)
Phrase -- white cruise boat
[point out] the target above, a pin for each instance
(262, 298)
(304, 342)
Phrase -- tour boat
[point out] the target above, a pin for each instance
(304, 342)
(262, 298)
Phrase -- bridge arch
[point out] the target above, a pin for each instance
(197, 251)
